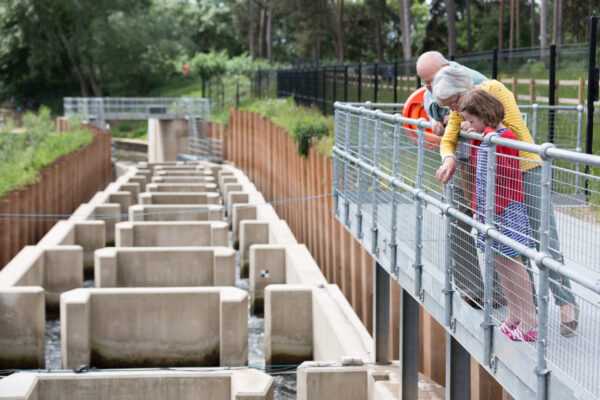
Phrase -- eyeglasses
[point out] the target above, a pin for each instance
(454, 104)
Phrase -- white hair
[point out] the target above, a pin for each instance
(451, 81)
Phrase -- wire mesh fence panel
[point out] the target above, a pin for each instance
(522, 242)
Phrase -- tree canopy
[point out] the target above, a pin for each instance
(52, 48)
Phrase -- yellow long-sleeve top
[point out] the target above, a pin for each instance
(512, 120)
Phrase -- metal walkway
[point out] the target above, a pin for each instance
(98, 110)
(387, 197)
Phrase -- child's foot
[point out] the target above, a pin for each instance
(517, 335)
(506, 327)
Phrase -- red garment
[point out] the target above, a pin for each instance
(509, 180)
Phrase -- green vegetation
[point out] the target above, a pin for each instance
(306, 125)
(22, 155)
(130, 130)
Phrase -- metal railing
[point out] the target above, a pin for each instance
(112, 108)
(426, 237)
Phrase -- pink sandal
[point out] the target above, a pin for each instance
(517, 335)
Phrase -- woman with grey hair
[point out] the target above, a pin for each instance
(449, 85)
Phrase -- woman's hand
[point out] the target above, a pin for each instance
(446, 171)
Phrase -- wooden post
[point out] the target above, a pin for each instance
(556, 92)
(514, 86)
(532, 90)
(581, 91)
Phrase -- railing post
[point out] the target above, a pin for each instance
(593, 75)
(395, 81)
(448, 258)
(346, 167)
(375, 81)
(381, 314)
(316, 85)
(334, 84)
(495, 63)
(374, 230)
(535, 122)
(345, 83)
(359, 81)
(418, 265)
(393, 241)
(361, 134)
(324, 90)
(490, 209)
(551, 92)
(458, 360)
(541, 369)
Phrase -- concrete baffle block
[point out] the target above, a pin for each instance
(318, 381)
(179, 198)
(181, 187)
(288, 324)
(55, 268)
(164, 266)
(176, 212)
(234, 198)
(22, 327)
(251, 232)
(239, 213)
(171, 233)
(152, 327)
(267, 267)
(239, 384)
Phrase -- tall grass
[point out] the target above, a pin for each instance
(307, 126)
(22, 155)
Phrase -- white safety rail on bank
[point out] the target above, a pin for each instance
(386, 195)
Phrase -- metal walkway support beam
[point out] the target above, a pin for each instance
(409, 347)
(381, 314)
(458, 370)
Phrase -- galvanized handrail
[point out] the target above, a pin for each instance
(349, 157)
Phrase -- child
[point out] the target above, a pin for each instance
(484, 113)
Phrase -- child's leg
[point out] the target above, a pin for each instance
(508, 285)
(517, 286)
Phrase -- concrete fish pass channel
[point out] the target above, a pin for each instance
(182, 256)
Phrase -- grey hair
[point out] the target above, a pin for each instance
(450, 81)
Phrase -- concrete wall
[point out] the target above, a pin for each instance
(110, 213)
(55, 268)
(90, 235)
(166, 138)
(346, 381)
(277, 264)
(181, 187)
(152, 327)
(174, 233)
(22, 327)
(183, 179)
(241, 384)
(176, 212)
(179, 198)
(164, 266)
(308, 322)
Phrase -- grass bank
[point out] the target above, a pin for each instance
(22, 155)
